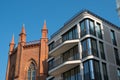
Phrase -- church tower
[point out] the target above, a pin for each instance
(44, 52)
(27, 61)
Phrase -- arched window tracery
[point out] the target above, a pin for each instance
(32, 72)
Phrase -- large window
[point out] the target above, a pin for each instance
(104, 68)
(83, 28)
(71, 34)
(73, 74)
(91, 27)
(87, 26)
(94, 47)
(85, 48)
(50, 64)
(98, 30)
(101, 47)
(113, 37)
(117, 56)
(89, 47)
(92, 70)
(32, 72)
(71, 54)
(51, 46)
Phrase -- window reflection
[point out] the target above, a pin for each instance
(87, 26)
(73, 74)
(101, 47)
(104, 68)
(71, 34)
(98, 30)
(113, 37)
(89, 47)
(92, 70)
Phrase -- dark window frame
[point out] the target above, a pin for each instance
(102, 51)
(105, 71)
(113, 37)
(117, 57)
(99, 33)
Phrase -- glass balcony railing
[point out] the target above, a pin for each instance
(60, 61)
(58, 42)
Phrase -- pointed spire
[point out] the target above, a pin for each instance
(12, 39)
(11, 45)
(22, 35)
(44, 26)
(23, 29)
(44, 30)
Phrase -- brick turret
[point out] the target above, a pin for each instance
(22, 35)
(11, 45)
(44, 53)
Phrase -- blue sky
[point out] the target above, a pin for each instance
(32, 13)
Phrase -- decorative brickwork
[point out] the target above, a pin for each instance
(20, 57)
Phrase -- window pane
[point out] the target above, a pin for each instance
(70, 34)
(105, 75)
(118, 73)
(92, 70)
(98, 29)
(92, 27)
(71, 54)
(97, 72)
(72, 74)
(31, 72)
(83, 28)
(29, 75)
(75, 33)
(117, 56)
(94, 47)
(113, 37)
(51, 46)
(84, 48)
(86, 71)
(101, 47)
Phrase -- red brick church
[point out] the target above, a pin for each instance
(27, 61)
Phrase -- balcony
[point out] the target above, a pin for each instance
(61, 65)
(60, 46)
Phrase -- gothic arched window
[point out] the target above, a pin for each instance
(32, 72)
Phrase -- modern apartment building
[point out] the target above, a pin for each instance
(87, 47)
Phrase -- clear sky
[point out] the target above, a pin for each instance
(32, 13)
